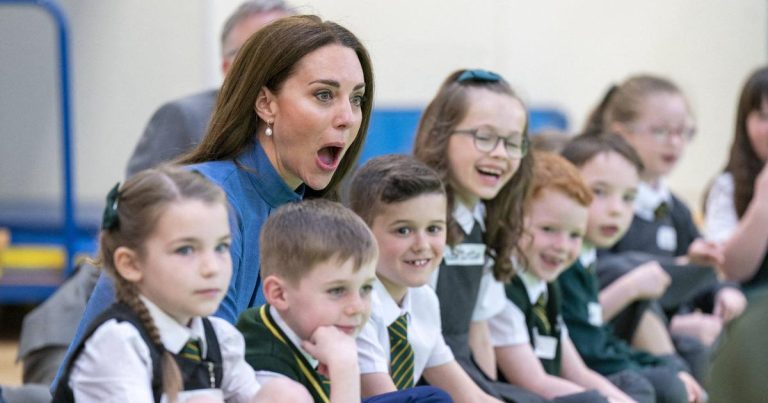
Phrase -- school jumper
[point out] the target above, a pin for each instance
(273, 349)
(600, 349)
(457, 287)
(118, 360)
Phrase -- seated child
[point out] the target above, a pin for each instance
(318, 262)
(610, 167)
(165, 241)
(532, 346)
(403, 202)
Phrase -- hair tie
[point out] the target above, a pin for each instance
(110, 220)
(479, 75)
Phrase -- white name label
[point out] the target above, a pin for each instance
(466, 254)
(666, 238)
(595, 311)
(544, 346)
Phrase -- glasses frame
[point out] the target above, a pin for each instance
(523, 147)
(664, 134)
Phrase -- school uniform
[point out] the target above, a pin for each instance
(663, 227)
(421, 310)
(532, 316)
(119, 362)
(600, 349)
(721, 220)
(273, 349)
(457, 284)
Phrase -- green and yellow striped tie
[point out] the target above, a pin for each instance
(400, 353)
(540, 310)
(191, 350)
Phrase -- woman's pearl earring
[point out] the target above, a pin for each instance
(268, 130)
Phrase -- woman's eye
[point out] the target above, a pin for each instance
(358, 100)
(323, 95)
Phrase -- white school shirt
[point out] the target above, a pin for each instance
(721, 218)
(115, 364)
(424, 331)
(509, 327)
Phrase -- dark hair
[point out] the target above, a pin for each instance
(503, 222)
(583, 148)
(622, 103)
(139, 204)
(744, 163)
(267, 59)
(390, 179)
(298, 236)
(249, 8)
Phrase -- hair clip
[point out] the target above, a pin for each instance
(110, 220)
(479, 75)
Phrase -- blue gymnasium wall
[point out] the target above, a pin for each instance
(392, 130)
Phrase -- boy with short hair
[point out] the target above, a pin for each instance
(611, 167)
(403, 201)
(532, 345)
(318, 263)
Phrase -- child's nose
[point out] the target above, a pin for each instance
(355, 305)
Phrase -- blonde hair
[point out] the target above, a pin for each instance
(137, 206)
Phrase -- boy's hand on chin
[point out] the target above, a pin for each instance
(331, 347)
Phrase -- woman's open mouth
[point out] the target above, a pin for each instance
(328, 157)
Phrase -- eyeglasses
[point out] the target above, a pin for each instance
(664, 134)
(486, 141)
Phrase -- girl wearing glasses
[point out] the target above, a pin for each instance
(474, 134)
(653, 115)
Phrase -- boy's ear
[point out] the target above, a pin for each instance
(265, 106)
(275, 292)
(127, 264)
(619, 128)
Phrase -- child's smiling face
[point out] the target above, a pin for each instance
(613, 181)
(555, 225)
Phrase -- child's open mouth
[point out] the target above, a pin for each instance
(328, 157)
(418, 263)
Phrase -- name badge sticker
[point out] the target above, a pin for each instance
(466, 254)
(666, 238)
(544, 346)
(595, 311)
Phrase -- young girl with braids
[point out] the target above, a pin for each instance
(165, 241)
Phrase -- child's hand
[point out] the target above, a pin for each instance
(706, 328)
(695, 393)
(705, 253)
(332, 347)
(729, 303)
(649, 279)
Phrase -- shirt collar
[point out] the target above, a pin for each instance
(292, 336)
(533, 285)
(265, 179)
(466, 218)
(390, 310)
(649, 197)
(173, 334)
(588, 256)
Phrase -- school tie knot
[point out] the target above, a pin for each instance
(661, 211)
(540, 310)
(192, 351)
(400, 353)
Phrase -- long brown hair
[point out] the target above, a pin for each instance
(267, 59)
(505, 211)
(139, 204)
(744, 163)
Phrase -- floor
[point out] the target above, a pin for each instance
(10, 326)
